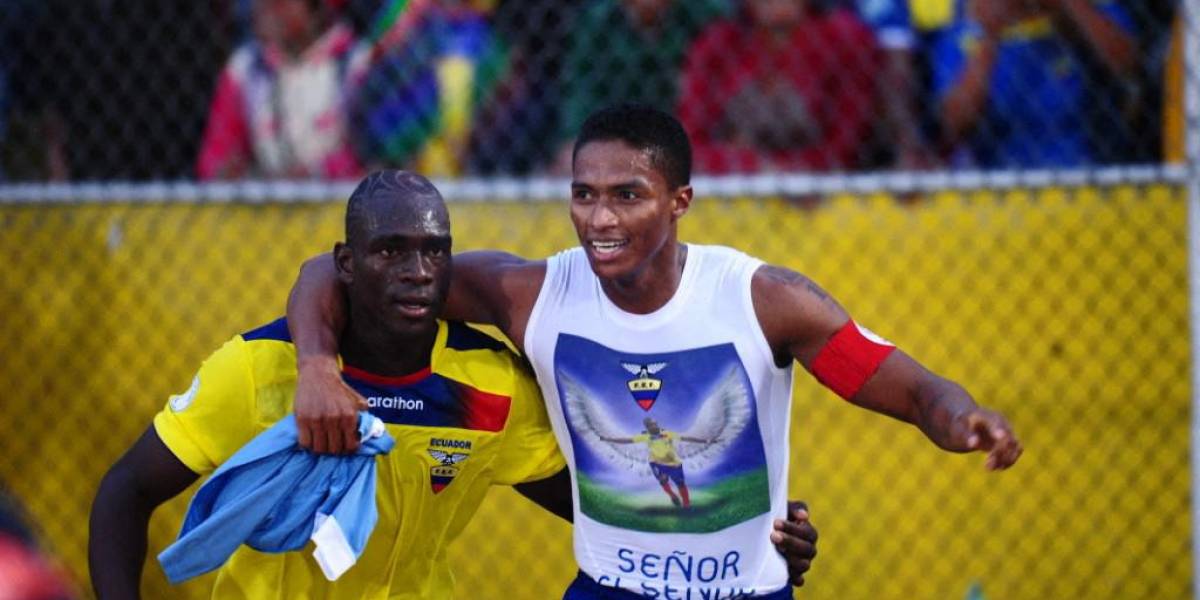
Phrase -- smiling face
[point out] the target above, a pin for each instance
(396, 261)
(624, 211)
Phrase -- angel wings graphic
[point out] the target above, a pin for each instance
(721, 417)
(448, 459)
(642, 371)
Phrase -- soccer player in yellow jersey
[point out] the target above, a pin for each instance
(665, 464)
(464, 411)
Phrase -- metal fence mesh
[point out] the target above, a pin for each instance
(1056, 296)
(229, 89)
(1064, 308)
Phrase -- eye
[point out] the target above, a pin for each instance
(627, 195)
(581, 195)
(387, 252)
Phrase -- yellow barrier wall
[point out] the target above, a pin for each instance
(1067, 310)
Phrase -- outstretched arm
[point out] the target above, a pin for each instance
(488, 287)
(145, 477)
(617, 440)
(803, 322)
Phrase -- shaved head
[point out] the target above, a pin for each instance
(390, 196)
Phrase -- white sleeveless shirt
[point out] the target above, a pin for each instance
(701, 368)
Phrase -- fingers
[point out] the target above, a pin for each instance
(319, 443)
(991, 432)
(796, 541)
(335, 439)
(303, 434)
(348, 429)
(795, 538)
(1004, 455)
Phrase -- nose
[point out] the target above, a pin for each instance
(415, 269)
(602, 216)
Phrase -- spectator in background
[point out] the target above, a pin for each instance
(628, 51)
(279, 106)
(1009, 77)
(1174, 126)
(783, 86)
(435, 61)
(111, 90)
(518, 115)
(25, 574)
(900, 132)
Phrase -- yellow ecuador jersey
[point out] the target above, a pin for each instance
(662, 447)
(473, 418)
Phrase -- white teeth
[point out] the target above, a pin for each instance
(607, 246)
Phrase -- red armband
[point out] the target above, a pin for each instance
(849, 359)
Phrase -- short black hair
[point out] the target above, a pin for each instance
(391, 183)
(645, 128)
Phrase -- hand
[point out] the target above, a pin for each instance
(989, 431)
(326, 408)
(796, 540)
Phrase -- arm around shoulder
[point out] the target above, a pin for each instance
(495, 288)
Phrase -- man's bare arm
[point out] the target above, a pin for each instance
(145, 477)
(799, 318)
(488, 287)
(326, 408)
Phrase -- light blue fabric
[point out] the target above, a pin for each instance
(269, 495)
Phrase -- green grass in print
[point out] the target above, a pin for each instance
(714, 507)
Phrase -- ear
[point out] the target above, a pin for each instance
(681, 201)
(343, 259)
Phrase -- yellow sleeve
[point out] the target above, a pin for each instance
(641, 438)
(206, 424)
(530, 450)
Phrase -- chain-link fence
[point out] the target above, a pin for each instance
(1006, 251)
(1064, 308)
(231, 89)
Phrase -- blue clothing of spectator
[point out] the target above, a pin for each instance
(1036, 111)
(891, 20)
(274, 496)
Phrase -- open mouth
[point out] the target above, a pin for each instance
(603, 248)
(413, 308)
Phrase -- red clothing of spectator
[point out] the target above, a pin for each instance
(795, 100)
(272, 116)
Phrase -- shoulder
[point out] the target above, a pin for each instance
(773, 283)
(269, 352)
(463, 337)
(482, 360)
(490, 264)
(792, 309)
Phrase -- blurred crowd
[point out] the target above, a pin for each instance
(229, 89)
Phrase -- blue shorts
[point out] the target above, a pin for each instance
(675, 473)
(586, 588)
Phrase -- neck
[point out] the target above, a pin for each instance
(653, 285)
(372, 349)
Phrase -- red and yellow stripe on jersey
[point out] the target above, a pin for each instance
(472, 419)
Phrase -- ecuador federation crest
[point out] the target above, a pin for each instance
(446, 469)
(644, 388)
